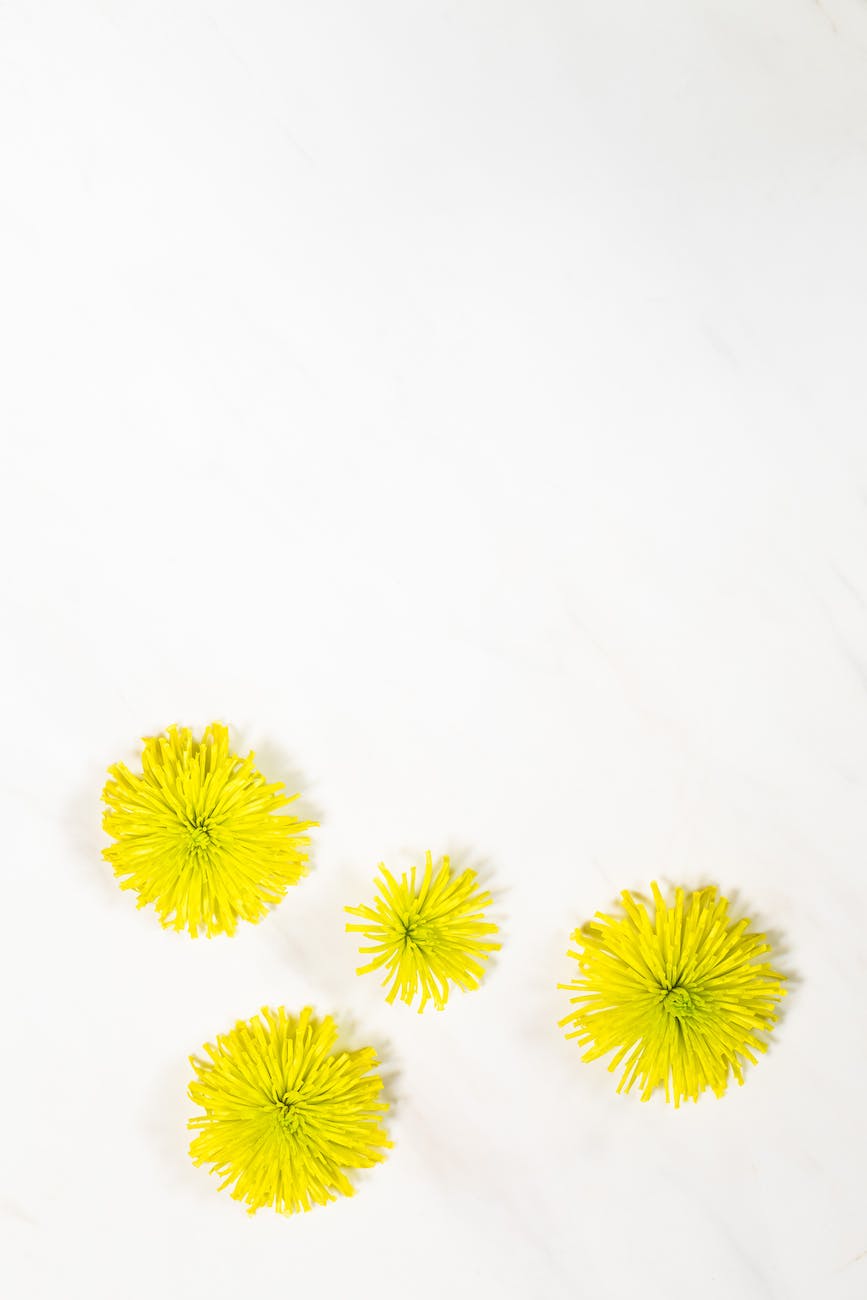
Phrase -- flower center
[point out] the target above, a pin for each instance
(417, 932)
(290, 1113)
(678, 1003)
(200, 835)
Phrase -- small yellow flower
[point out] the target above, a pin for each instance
(679, 999)
(199, 835)
(429, 936)
(285, 1116)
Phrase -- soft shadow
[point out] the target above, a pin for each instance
(351, 1036)
(82, 823)
(165, 1111)
(308, 929)
(464, 857)
(740, 910)
(277, 764)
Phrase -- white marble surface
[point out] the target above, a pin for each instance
(466, 401)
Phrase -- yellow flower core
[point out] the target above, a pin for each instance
(680, 999)
(199, 835)
(426, 936)
(285, 1115)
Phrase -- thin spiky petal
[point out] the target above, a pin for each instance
(427, 936)
(286, 1116)
(199, 833)
(680, 999)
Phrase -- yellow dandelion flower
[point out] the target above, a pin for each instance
(286, 1116)
(427, 936)
(680, 999)
(198, 833)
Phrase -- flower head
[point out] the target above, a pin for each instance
(198, 833)
(679, 999)
(285, 1116)
(427, 936)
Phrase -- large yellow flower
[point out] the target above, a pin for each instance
(285, 1116)
(679, 999)
(199, 833)
(427, 936)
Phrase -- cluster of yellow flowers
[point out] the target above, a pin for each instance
(679, 997)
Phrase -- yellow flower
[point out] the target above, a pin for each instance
(427, 936)
(285, 1116)
(198, 833)
(679, 999)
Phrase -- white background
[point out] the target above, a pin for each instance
(465, 402)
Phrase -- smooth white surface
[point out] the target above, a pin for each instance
(467, 403)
